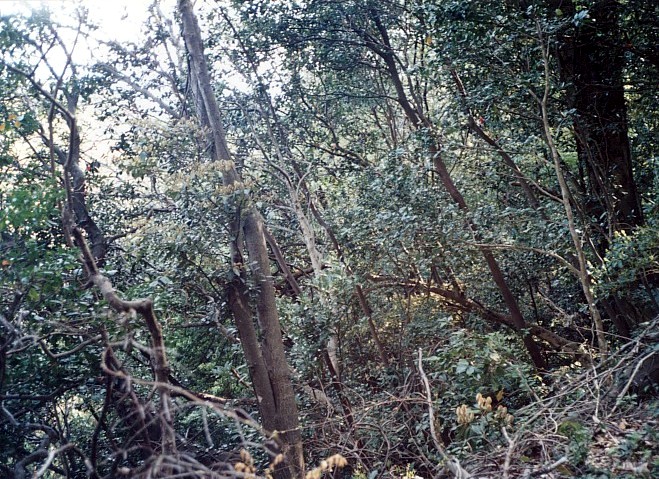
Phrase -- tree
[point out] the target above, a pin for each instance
(56, 330)
(267, 361)
(591, 60)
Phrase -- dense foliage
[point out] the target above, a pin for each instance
(459, 201)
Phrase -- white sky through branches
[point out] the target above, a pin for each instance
(118, 20)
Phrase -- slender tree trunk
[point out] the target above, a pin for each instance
(497, 275)
(359, 291)
(584, 276)
(507, 159)
(267, 361)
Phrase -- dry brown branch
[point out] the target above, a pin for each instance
(143, 307)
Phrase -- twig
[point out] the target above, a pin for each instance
(207, 433)
(135, 86)
(431, 412)
(67, 114)
(546, 469)
(584, 275)
(598, 395)
(239, 378)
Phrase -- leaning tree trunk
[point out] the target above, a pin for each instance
(269, 369)
(384, 50)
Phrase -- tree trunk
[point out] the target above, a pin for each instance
(584, 275)
(592, 61)
(418, 120)
(267, 362)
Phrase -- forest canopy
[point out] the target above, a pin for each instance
(362, 239)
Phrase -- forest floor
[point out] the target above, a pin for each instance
(600, 424)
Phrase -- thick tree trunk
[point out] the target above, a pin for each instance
(272, 344)
(584, 275)
(267, 362)
(592, 62)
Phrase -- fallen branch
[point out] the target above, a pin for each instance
(631, 380)
(509, 453)
(545, 469)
